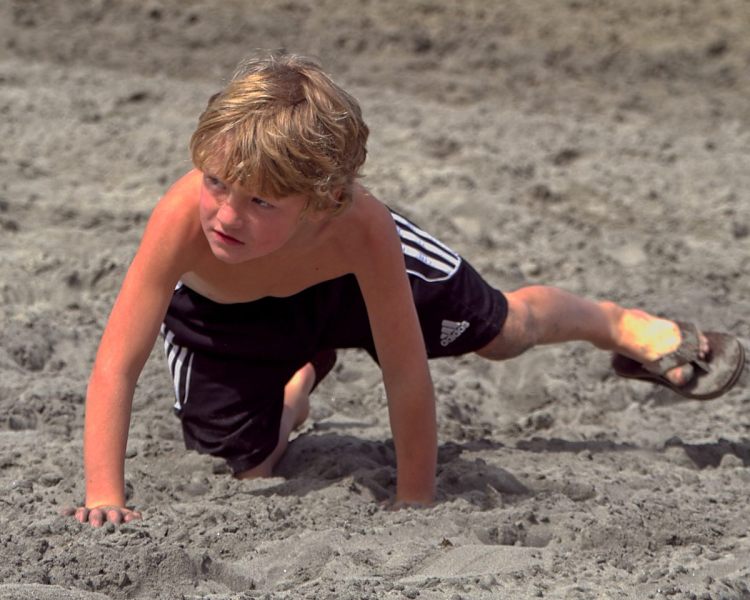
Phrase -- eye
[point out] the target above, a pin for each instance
(214, 182)
(261, 203)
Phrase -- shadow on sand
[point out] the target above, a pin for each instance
(317, 461)
(703, 455)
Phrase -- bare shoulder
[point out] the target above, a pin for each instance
(367, 224)
(180, 202)
(170, 244)
(173, 238)
(176, 215)
(369, 244)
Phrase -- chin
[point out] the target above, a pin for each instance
(228, 258)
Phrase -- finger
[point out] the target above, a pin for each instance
(705, 347)
(82, 514)
(68, 511)
(96, 517)
(131, 515)
(114, 516)
(403, 504)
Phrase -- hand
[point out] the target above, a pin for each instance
(97, 516)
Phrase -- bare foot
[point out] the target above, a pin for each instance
(297, 395)
(646, 338)
(295, 413)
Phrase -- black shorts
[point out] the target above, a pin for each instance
(230, 362)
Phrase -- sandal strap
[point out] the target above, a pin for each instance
(686, 353)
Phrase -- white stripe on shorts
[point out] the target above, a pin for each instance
(426, 249)
(445, 268)
(180, 362)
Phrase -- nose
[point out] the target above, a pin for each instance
(228, 215)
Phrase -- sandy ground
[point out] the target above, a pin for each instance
(600, 146)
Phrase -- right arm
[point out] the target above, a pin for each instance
(167, 250)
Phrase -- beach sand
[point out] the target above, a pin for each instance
(602, 147)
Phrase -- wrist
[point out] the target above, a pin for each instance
(413, 493)
(95, 500)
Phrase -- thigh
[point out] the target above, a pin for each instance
(458, 315)
(229, 365)
(229, 407)
(458, 310)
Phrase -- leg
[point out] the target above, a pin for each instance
(296, 409)
(545, 315)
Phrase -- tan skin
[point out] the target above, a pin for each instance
(231, 244)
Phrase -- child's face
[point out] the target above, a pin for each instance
(240, 225)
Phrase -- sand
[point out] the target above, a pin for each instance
(603, 147)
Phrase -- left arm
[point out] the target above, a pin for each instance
(401, 352)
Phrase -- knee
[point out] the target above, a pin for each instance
(265, 469)
(519, 332)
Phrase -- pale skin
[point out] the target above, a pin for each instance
(233, 244)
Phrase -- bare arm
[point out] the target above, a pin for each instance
(128, 338)
(403, 359)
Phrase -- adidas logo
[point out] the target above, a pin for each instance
(451, 330)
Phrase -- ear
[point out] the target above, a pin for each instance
(309, 212)
(315, 216)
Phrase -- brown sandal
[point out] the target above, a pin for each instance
(712, 377)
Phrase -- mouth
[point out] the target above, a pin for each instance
(227, 239)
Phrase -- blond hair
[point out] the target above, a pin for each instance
(284, 127)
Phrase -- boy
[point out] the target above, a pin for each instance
(269, 255)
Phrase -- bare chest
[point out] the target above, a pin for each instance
(279, 276)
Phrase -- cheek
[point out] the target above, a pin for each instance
(285, 229)
(206, 209)
(267, 235)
